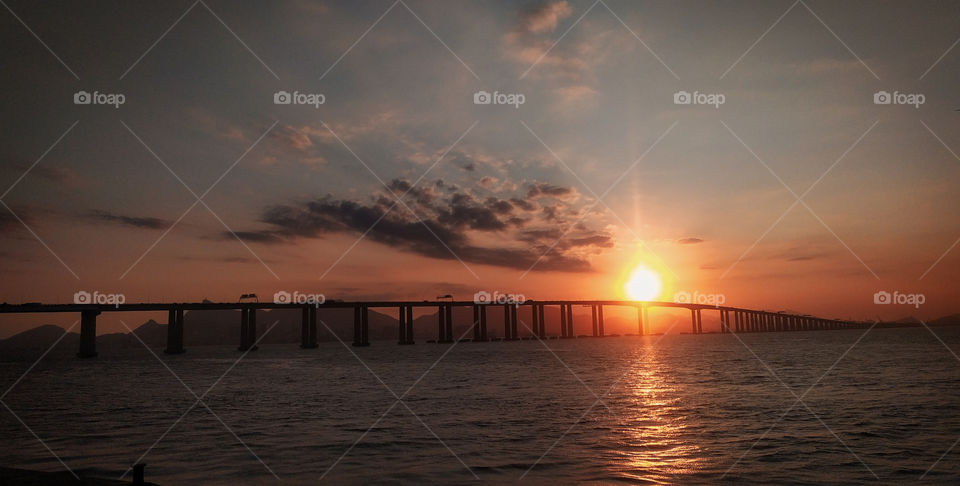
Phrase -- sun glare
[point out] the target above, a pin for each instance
(643, 284)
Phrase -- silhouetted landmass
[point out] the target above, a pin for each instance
(23, 477)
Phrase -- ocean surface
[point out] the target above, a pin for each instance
(679, 409)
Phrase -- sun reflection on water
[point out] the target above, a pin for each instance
(651, 442)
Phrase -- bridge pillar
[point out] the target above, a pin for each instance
(483, 323)
(507, 328)
(570, 331)
(755, 321)
(640, 319)
(543, 322)
(693, 321)
(248, 329)
(535, 317)
(402, 325)
(514, 321)
(88, 334)
(174, 332)
(449, 323)
(593, 316)
(441, 324)
(409, 321)
(563, 321)
(476, 322)
(600, 319)
(699, 322)
(361, 325)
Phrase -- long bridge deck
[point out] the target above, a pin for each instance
(732, 319)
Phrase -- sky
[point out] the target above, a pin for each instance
(798, 192)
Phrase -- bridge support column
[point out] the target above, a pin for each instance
(248, 329)
(507, 328)
(308, 327)
(600, 319)
(441, 324)
(563, 321)
(449, 322)
(693, 321)
(514, 321)
(88, 334)
(535, 317)
(570, 332)
(476, 322)
(640, 319)
(361, 326)
(402, 325)
(483, 323)
(410, 325)
(699, 322)
(174, 332)
(593, 316)
(543, 323)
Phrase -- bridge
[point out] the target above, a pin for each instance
(732, 319)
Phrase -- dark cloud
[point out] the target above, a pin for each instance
(439, 229)
(689, 241)
(134, 221)
(538, 189)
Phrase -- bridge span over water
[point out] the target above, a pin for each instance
(732, 319)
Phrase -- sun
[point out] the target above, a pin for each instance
(644, 284)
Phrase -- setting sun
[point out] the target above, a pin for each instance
(643, 284)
